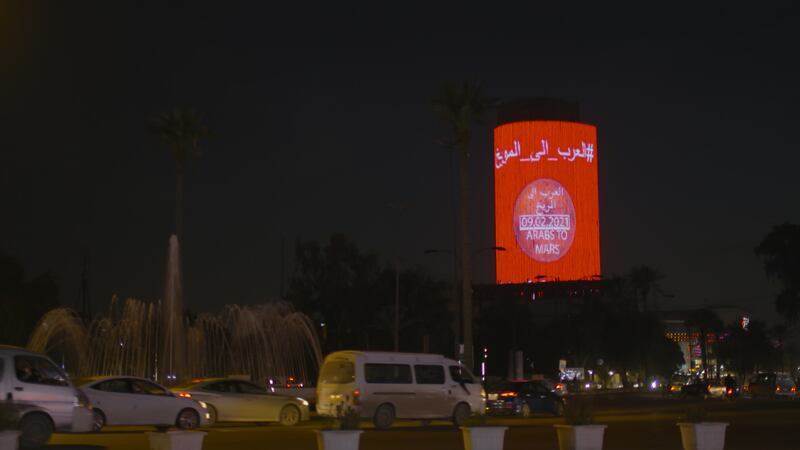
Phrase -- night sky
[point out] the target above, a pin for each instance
(322, 122)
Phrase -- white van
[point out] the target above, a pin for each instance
(384, 386)
(41, 391)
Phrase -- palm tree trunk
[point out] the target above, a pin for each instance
(179, 204)
(466, 282)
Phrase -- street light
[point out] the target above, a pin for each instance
(457, 319)
(397, 304)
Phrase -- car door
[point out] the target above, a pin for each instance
(38, 381)
(5, 390)
(464, 387)
(542, 397)
(390, 383)
(259, 405)
(223, 398)
(154, 404)
(115, 399)
(431, 390)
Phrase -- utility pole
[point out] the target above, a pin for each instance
(396, 305)
(283, 266)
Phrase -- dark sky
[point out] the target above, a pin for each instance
(322, 123)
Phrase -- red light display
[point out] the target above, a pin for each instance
(546, 202)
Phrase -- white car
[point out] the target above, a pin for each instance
(138, 401)
(384, 386)
(43, 394)
(231, 400)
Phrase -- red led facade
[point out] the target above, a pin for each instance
(546, 201)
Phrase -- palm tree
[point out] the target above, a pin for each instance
(181, 130)
(644, 281)
(462, 105)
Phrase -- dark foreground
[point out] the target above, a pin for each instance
(634, 422)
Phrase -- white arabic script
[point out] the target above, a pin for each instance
(570, 154)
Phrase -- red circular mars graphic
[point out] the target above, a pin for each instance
(544, 220)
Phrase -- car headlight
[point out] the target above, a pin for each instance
(203, 404)
(302, 400)
(81, 400)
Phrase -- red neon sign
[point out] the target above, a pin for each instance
(546, 201)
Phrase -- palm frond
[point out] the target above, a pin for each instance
(181, 130)
(462, 104)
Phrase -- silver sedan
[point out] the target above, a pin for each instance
(231, 400)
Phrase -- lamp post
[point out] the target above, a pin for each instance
(458, 311)
(399, 208)
(396, 305)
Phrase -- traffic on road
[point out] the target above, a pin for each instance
(382, 390)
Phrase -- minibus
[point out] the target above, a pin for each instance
(384, 386)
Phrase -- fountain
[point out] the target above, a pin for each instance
(156, 340)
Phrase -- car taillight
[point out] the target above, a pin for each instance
(184, 395)
(777, 388)
(559, 386)
(729, 391)
(356, 396)
(794, 389)
(508, 394)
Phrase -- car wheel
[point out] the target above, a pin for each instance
(559, 409)
(212, 414)
(384, 416)
(98, 420)
(187, 419)
(289, 416)
(525, 410)
(35, 430)
(461, 413)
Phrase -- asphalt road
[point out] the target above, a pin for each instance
(634, 422)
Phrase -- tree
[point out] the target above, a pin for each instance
(706, 323)
(745, 351)
(780, 250)
(644, 281)
(462, 105)
(22, 303)
(334, 284)
(181, 130)
(345, 288)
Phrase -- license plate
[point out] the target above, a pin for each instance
(492, 396)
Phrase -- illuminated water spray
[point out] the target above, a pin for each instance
(156, 340)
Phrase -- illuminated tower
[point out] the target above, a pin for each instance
(545, 192)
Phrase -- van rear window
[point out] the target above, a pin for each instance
(337, 372)
(387, 373)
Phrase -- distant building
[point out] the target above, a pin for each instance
(688, 339)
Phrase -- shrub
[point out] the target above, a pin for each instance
(478, 420)
(695, 414)
(347, 418)
(579, 410)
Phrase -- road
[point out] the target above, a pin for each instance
(634, 422)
